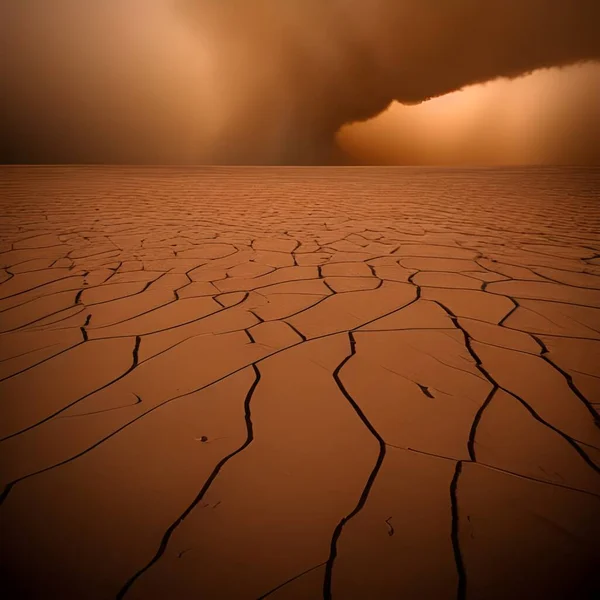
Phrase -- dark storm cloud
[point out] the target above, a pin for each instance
(284, 74)
(340, 61)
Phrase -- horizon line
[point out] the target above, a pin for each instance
(302, 166)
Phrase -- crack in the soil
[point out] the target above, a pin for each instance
(499, 470)
(134, 364)
(327, 582)
(461, 590)
(167, 536)
(281, 585)
(104, 410)
(571, 441)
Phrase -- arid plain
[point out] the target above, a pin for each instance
(299, 383)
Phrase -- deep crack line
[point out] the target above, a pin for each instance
(479, 366)
(461, 591)
(25, 369)
(25, 326)
(9, 486)
(134, 364)
(584, 455)
(476, 420)
(567, 377)
(370, 481)
(167, 536)
(525, 404)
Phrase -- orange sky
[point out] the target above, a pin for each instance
(271, 82)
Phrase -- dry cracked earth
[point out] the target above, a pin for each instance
(299, 383)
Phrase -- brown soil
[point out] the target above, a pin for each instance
(300, 383)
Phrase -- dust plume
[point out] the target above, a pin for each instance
(262, 81)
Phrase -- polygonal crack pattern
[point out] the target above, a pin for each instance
(298, 383)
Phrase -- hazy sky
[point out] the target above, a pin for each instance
(279, 81)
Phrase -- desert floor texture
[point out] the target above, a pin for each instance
(299, 383)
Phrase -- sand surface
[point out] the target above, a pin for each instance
(239, 383)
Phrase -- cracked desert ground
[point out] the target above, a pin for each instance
(299, 383)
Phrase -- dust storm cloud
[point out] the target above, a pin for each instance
(261, 82)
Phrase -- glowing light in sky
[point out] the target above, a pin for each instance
(538, 118)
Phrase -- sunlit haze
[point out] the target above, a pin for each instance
(548, 117)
